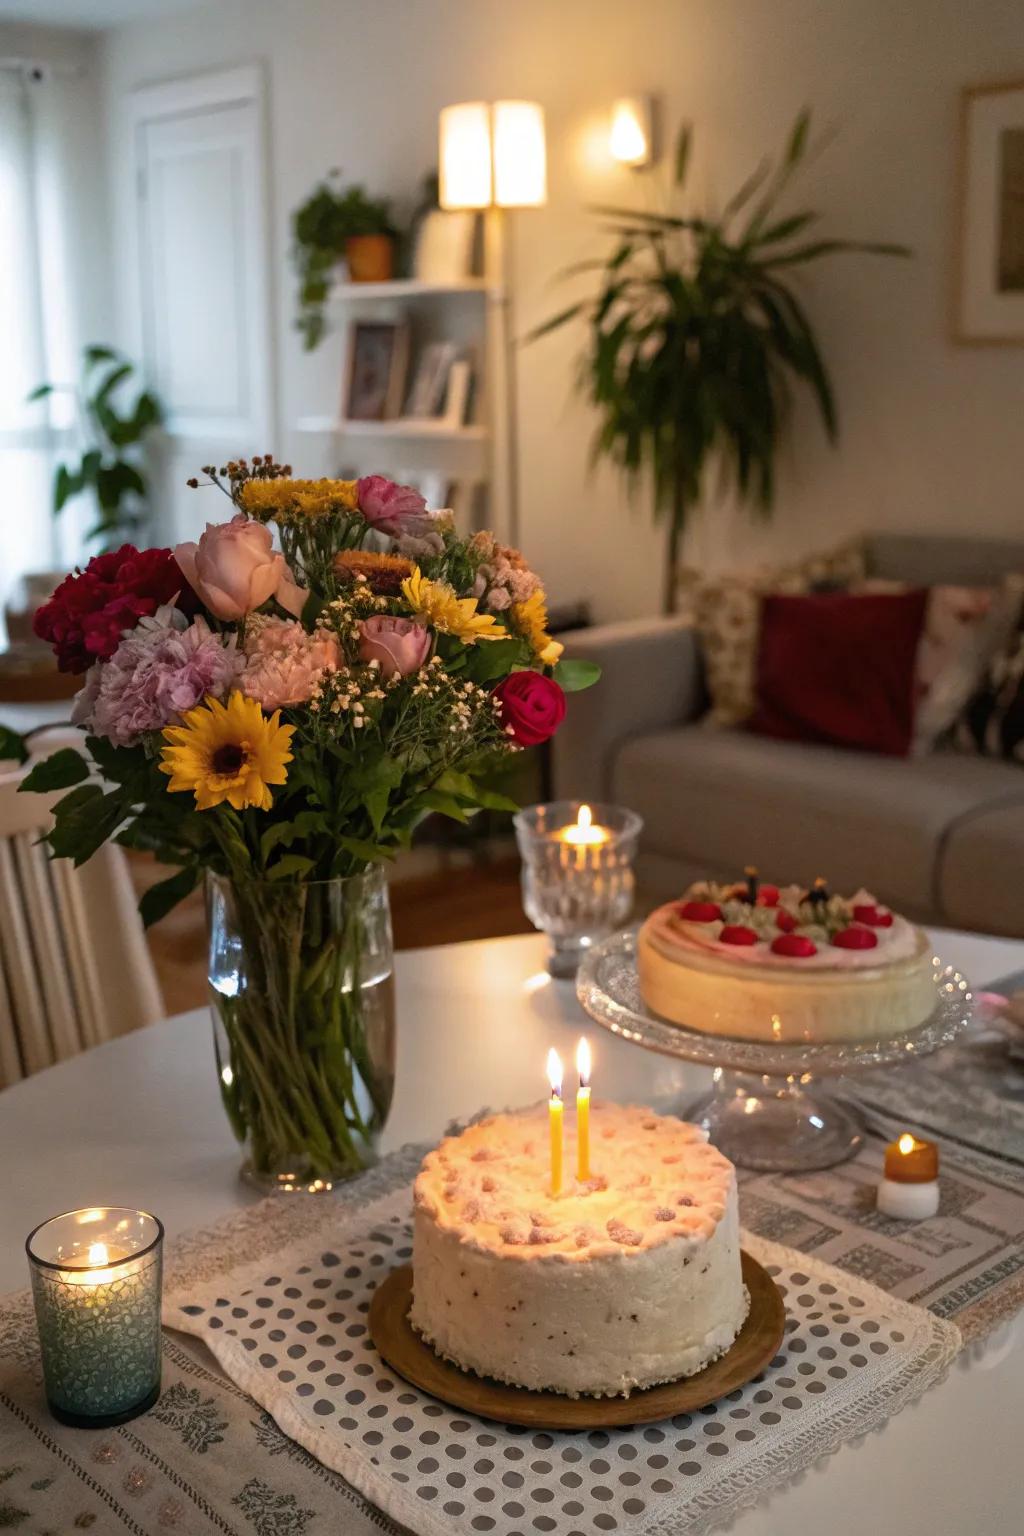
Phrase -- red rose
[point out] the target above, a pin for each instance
(87, 614)
(532, 707)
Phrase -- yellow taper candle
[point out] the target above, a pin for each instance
(555, 1111)
(583, 1112)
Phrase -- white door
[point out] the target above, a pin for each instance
(203, 273)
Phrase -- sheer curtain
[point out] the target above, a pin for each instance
(39, 330)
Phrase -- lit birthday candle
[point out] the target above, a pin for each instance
(555, 1114)
(583, 1112)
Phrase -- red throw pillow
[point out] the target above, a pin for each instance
(837, 667)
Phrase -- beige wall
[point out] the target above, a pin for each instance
(931, 433)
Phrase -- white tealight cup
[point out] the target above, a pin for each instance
(908, 1202)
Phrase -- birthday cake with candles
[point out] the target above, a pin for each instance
(589, 1286)
(759, 962)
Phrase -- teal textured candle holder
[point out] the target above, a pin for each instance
(96, 1278)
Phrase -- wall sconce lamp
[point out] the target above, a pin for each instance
(631, 135)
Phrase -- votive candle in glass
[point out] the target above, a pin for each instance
(578, 881)
(96, 1280)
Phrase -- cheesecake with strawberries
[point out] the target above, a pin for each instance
(761, 962)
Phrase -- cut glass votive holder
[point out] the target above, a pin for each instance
(96, 1282)
(577, 874)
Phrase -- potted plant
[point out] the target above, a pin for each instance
(696, 337)
(333, 224)
(109, 462)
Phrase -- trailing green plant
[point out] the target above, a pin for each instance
(328, 218)
(696, 337)
(109, 463)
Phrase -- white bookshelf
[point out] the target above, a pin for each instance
(343, 294)
(409, 427)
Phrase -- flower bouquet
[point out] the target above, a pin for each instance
(279, 720)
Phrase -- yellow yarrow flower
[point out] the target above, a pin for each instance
(440, 606)
(531, 621)
(297, 500)
(230, 753)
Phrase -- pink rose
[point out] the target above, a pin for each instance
(234, 569)
(400, 645)
(532, 707)
(392, 509)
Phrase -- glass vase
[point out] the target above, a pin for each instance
(302, 992)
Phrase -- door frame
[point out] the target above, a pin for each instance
(242, 85)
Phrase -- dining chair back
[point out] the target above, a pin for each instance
(74, 967)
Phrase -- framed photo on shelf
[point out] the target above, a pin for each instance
(989, 296)
(459, 393)
(378, 356)
(430, 380)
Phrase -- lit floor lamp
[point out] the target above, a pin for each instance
(493, 157)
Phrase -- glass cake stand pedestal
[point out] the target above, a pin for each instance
(765, 1109)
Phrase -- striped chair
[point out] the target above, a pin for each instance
(74, 967)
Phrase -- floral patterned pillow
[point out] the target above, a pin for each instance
(726, 613)
(992, 722)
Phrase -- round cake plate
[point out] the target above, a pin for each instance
(404, 1351)
(762, 1110)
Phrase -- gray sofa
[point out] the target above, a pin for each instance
(941, 837)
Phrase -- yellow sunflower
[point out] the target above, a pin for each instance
(439, 605)
(297, 500)
(230, 753)
(531, 620)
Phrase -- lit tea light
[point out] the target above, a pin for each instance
(97, 1302)
(583, 1112)
(555, 1118)
(910, 1189)
(584, 832)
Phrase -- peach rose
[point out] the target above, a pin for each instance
(235, 569)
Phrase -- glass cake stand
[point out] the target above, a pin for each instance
(764, 1110)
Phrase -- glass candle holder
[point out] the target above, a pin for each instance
(96, 1277)
(578, 881)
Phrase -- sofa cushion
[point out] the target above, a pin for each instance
(979, 869)
(724, 799)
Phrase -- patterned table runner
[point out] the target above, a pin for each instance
(280, 1292)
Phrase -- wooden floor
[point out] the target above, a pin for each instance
(446, 906)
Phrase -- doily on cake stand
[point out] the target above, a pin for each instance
(764, 1110)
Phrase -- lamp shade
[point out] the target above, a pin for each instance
(465, 155)
(520, 157)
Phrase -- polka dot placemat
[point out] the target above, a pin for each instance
(290, 1329)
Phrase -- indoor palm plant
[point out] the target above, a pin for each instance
(696, 337)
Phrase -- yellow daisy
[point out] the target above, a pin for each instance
(531, 620)
(230, 753)
(297, 500)
(439, 606)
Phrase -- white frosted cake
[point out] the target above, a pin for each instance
(629, 1279)
(755, 962)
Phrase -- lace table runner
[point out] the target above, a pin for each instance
(311, 1430)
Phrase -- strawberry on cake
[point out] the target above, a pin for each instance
(760, 962)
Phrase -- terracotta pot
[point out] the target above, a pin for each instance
(371, 258)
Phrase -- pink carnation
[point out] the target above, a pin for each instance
(285, 664)
(160, 669)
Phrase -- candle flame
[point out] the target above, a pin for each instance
(555, 1073)
(906, 1143)
(583, 1062)
(584, 818)
(98, 1253)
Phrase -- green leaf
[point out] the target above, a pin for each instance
(452, 782)
(160, 898)
(86, 826)
(575, 675)
(12, 745)
(562, 318)
(684, 140)
(797, 141)
(76, 798)
(490, 800)
(311, 610)
(293, 865)
(65, 486)
(64, 768)
(445, 805)
(39, 393)
(494, 659)
(360, 849)
(115, 377)
(94, 355)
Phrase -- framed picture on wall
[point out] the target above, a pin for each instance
(989, 296)
(378, 355)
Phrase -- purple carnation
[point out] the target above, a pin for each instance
(161, 668)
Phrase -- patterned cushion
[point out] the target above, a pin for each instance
(726, 613)
(992, 723)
